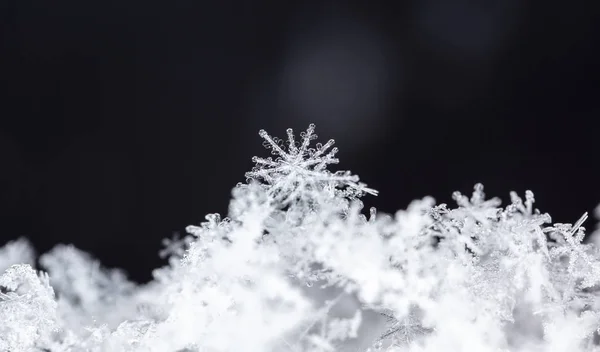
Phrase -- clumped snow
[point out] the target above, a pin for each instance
(297, 265)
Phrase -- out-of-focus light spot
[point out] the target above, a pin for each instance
(339, 75)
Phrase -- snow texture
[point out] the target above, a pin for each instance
(297, 266)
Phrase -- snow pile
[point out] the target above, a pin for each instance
(297, 266)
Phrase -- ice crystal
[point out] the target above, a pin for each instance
(16, 252)
(302, 169)
(27, 309)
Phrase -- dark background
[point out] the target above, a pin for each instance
(123, 121)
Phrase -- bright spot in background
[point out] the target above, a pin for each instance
(338, 74)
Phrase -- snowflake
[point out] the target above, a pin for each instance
(301, 170)
(404, 331)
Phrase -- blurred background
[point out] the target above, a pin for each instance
(123, 121)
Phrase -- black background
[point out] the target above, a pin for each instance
(123, 121)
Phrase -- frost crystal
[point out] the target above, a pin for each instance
(16, 252)
(297, 266)
(27, 308)
(302, 170)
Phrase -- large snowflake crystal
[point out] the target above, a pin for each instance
(301, 170)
